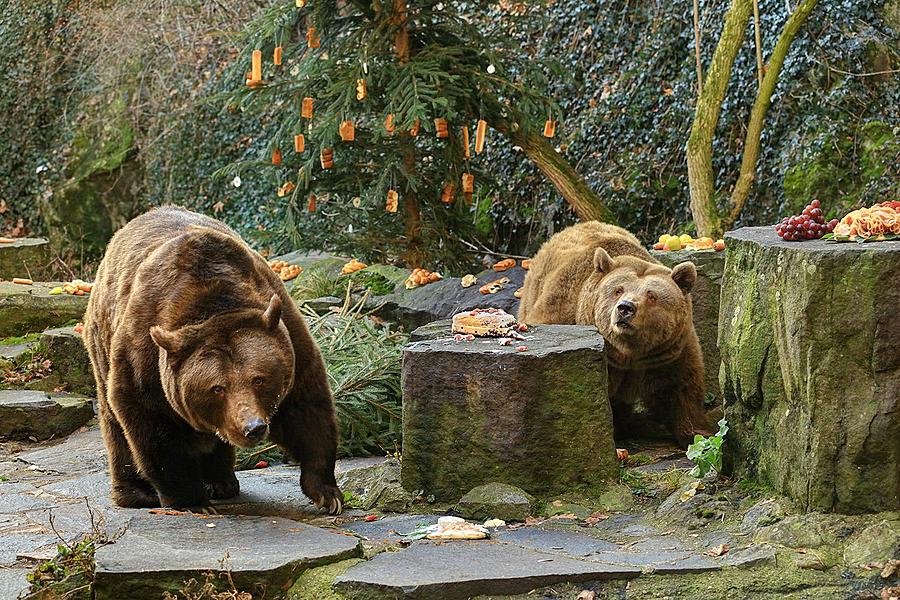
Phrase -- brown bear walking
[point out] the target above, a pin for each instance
(599, 274)
(197, 348)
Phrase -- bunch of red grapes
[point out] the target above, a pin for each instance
(810, 225)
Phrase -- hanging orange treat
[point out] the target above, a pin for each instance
(465, 136)
(327, 158)
(447, 193)
(306, 108)
(480, 130)
(549, 128)
(276, 56)
(286, 189)
(440, 127)
(312, 38)
(251, 83)
(300, 3)
(311, 205)
(299, 143)
(389, 123)
(414, 130)
(360, 89)
(468, 183)
(256, 66)
(392, 200)
(276, 156)
(347, 131)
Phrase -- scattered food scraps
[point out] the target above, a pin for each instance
(495, 523)
(717, 550)
(79, 328)
(22, 281)
(421, 277)
(621, 453)
(371, 518)
(521, 348)
(494, 286)
(505, 264)
(261, 465)
(468, 281)
(455, 528)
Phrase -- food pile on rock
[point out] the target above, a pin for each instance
(488, 322)
(352, 267)
(810, 225)
(686, 242)
(286, 271)
(421, 277)
(455, 528)
(876, 223)
(76, 287)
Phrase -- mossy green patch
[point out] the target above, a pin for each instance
(315, 584)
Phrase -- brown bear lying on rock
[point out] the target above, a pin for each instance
(197, 348)
(599, 274)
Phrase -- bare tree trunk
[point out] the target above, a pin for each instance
(709, 106)
(697, 47)
(761, 106)
(760, 69)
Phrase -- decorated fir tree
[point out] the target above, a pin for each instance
(391, 107)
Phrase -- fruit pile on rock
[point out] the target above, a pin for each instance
(810, 225)
(73, 288)
(686, 242)
(421, 277)
(879, 222)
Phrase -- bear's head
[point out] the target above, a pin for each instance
(643, 309)
(228, 374)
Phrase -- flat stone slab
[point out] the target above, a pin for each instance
(82, 452)
(158, 553)
(27, 413)
(31, 308)
(389, 529)
(459, 570)
(479, 412)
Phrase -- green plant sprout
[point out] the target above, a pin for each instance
(706, 452)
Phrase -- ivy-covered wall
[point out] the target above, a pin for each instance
(108, 109)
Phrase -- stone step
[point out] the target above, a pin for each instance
(31, 308)
(459, 570)
(158, 553)
(41, 415)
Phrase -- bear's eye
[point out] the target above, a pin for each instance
(619, 291)
(217, 389)
(651, 296)
(257, 381)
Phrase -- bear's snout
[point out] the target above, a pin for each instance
(255, 430)
(625, 310)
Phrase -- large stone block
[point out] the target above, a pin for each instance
(478, 412)
(31, 308)
(25, 257)
(810, 341)
(705, 300)
(25, 413)
(70, 364)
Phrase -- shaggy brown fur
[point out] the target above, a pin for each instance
(197, 348)
(599, 274)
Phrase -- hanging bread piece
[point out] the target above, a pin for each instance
(360, 89)
(440, 128)
(480, 132)
(256, 66)
(299, 143)
(549, 128)
(414, 130)
(306, 108)
(392, 201)
(326, 158)
(312, 38)
(465, 137)
(389, 126)
(468, 183)
(311, 205)
(286, 189)
(276, 55)
(347, 131)
(276, 156)
(448, 193)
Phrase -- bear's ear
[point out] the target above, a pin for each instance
(602, 261)
(685, 276)
(170, 341)
(272, 314)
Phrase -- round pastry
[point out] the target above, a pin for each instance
(485, 322)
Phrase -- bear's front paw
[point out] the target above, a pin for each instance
(219, 490)
(324, 495)
(190, 498)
